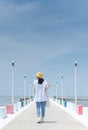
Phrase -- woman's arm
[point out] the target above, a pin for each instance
(46, 88)
(34, 91)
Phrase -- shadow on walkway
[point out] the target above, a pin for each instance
(50, 122)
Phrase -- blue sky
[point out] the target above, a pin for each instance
(47, 36)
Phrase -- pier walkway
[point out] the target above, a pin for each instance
(56, 119)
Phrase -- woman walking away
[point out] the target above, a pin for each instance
(40, 88)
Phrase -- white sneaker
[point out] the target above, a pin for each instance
(42, 119)
(38, 119)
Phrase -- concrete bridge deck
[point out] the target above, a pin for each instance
(56, 119)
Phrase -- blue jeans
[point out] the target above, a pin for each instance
(40, 108)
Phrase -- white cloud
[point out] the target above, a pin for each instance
(11, 12)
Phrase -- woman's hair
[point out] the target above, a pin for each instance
(40, 80)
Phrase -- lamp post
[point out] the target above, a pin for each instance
(53, 91)
(12, 82)
(56, 89)
(30, 89)
(62, 87)
(24, 86)
(75, 82)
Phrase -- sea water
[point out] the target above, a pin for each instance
(80, 101)
(4, 100)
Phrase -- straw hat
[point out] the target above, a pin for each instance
(39, 75)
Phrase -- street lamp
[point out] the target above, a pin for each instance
(53, 91)
(12, 82)
(62, 87)
(56, 89)
(30, 90)
(75, 82)
(24, 86)
(50, 90)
